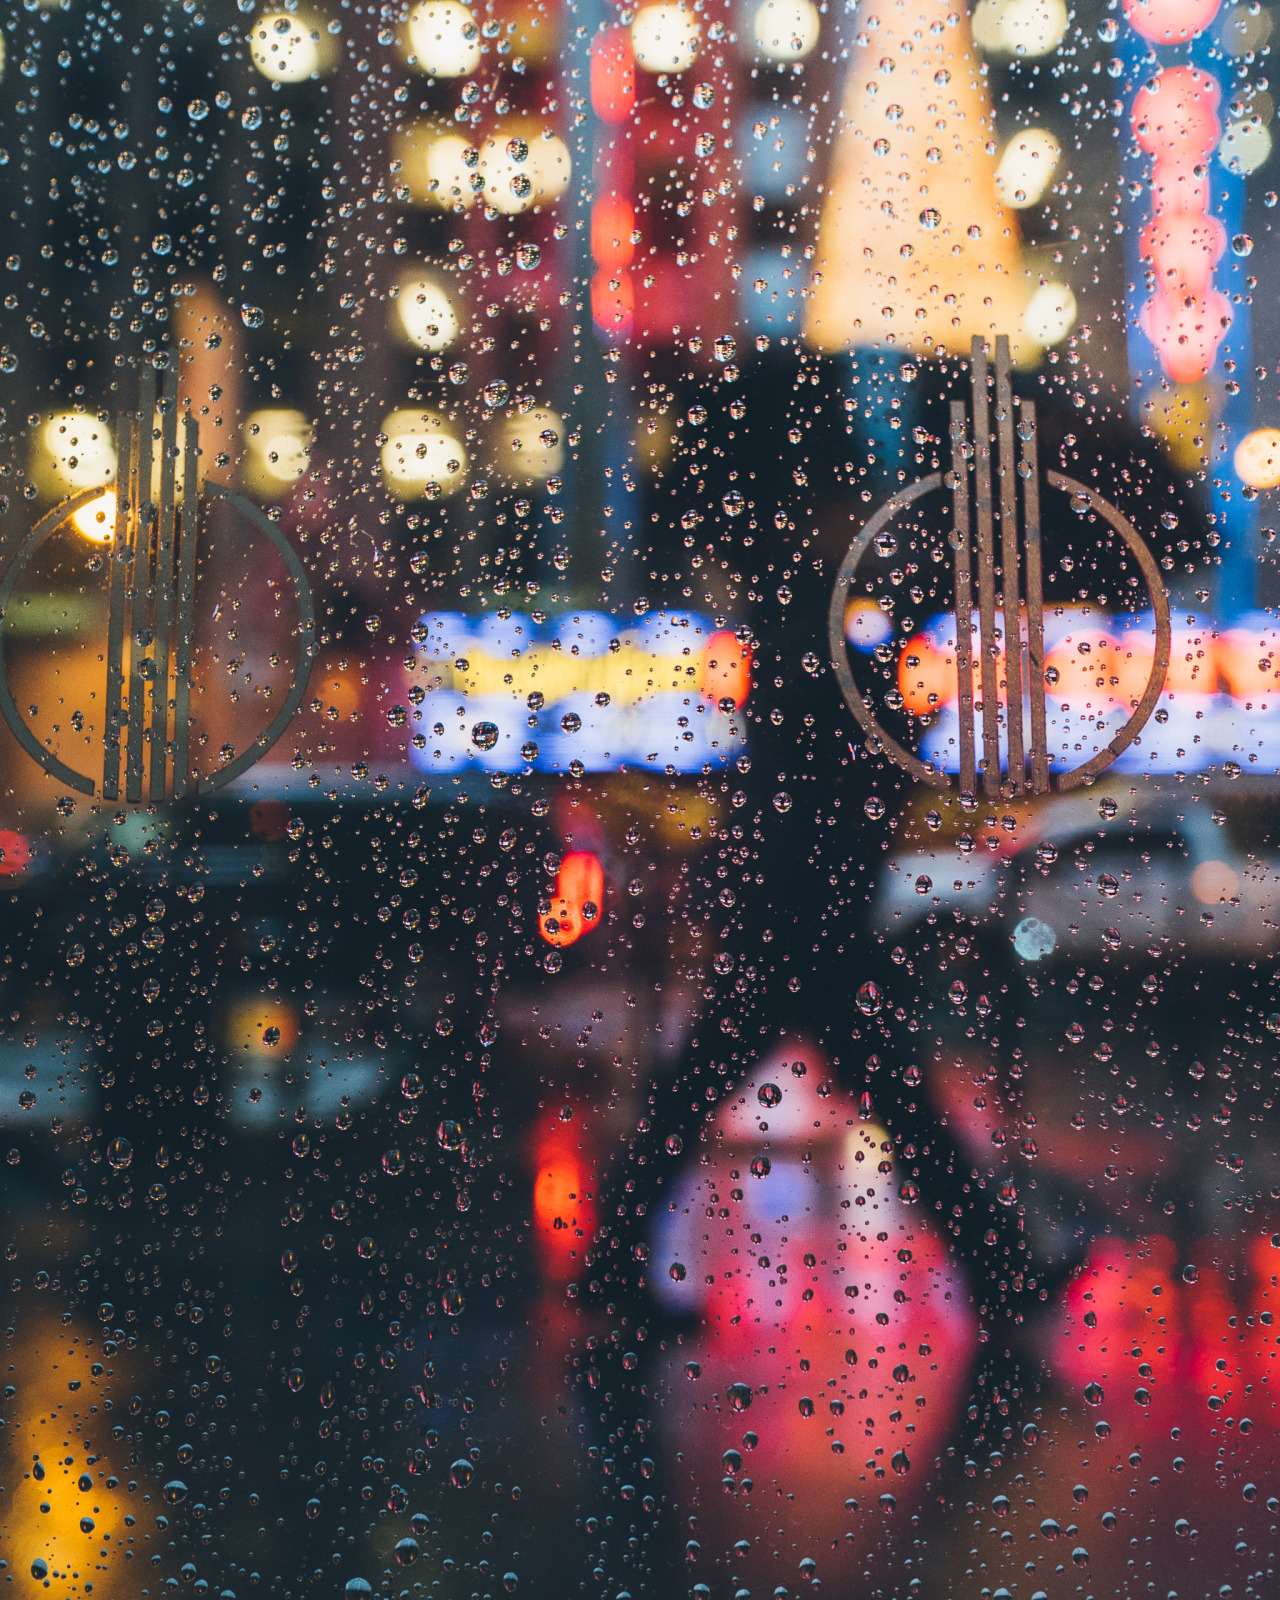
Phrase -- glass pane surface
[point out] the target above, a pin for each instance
(638, 799)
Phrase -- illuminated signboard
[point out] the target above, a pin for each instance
(579, 691)
(1220, 703)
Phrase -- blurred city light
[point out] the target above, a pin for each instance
(97, 520)
(443, 39)
(666, 37)
(432, 165)
(1050, 314)
(69, 451)
(786, 30)
(290, 48)
(575, 901)
(524, 164)
(1257, 458)
(564, 1209)
(1027, 165)
(277, 449)
(1019, 27)
(426, 313)
(529, 445)
(422, 455)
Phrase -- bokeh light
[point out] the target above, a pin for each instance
(290, 48)
(422, 455)
(443, 39)
(426, 313)
(278, 449)
(1019, 27)
(786, 30)
(1027, 165)
(665, 38)
(1257, 458)
(1050, 314)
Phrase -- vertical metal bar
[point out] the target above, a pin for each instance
(1009, 566)
(964, 598)
(120, 565)
(143, 518)
(186, 589)
(164, 581)
(1035, 601)
(986, 574)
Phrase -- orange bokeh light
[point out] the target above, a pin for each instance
(575, 901)
(613, 75)
(612, 220)
(613, 302)
(726, 669)
(564, 1213)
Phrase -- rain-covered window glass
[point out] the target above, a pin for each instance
(639, 780)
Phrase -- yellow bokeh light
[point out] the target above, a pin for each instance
(1027, 165)
(429, 163)
(786, 30)
(530, 446)
(278, 450)
(426, 313)
(422, 456)
(443, 39)
(1050, 314)
(524, 165)
(68, 1518)
(289, 49)
(665, 38)
(97, 520)
(70, 451)
(1019, 27)
(1257, 459)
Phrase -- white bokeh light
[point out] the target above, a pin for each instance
(1019, 27)
(443, 39)
(426, 313)
(1050, 314)
(422, 456)
(278, 449)
(665, 38)
(786, 30)
(288, 49)
(1027, 165)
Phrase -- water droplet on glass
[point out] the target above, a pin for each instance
(252, 316)
(119, 1153)
(1242, 244)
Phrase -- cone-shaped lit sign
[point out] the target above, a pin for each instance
(914, 248)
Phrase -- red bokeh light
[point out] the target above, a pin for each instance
(564, 1211)
(613, 75)
(15, 853)
(1170, 21)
